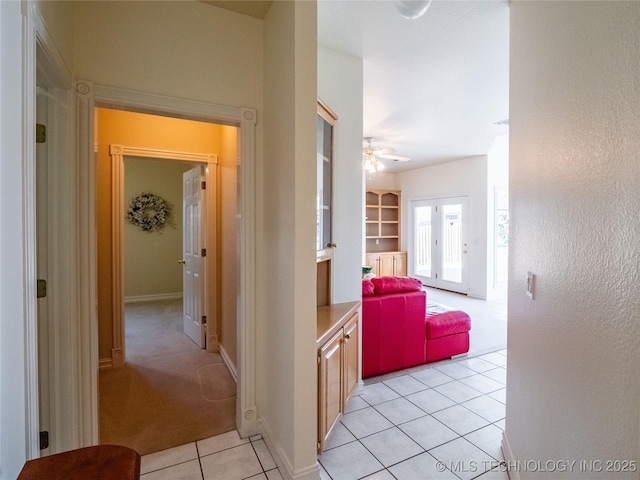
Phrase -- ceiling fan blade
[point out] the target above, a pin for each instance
(381, 151)
(396, 158)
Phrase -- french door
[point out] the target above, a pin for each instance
(439, 245)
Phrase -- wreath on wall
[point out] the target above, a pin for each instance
(148, 211)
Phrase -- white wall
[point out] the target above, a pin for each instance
(342, 92)
(13, 273)
(286, 326)
(381, 180)
(462, 177)
(187, 50)
(59, 24)
(573, 390)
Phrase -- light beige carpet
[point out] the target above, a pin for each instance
(170, 392)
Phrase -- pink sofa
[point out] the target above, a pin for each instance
(399, 331)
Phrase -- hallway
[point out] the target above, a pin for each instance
(170, 392)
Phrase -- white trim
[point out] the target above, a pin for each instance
(153, 298)
(118, 154)
(60, 73)
(29, 237)
(88, 96)
(509, 458)
(227, 360)
(86, 348)
(310, 472)
(246, 410)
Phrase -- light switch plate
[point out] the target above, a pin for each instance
(530, 281)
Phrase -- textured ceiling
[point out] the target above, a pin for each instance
(434, 86)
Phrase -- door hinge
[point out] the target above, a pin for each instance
(41, 288)
(203, 252)
(41, 133)
(319, 358)
(319, 447)
(204, 320)
(203, 185)
(44, 440)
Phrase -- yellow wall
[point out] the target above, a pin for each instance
(150, 265)
(134, 130)
(228, 260)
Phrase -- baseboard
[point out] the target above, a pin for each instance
(509, 458)
(232, 368)
(153, 298)
(477, 295)
(311, 472)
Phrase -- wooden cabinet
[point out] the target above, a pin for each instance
(383, 233)
(338, 363)
(326, 121)
(329, 384)
(382, 221)
(351, 356)
(388, 263)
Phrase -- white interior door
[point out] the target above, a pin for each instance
(439, 245)
(193, 255)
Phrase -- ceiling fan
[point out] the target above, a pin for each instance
(372, 156)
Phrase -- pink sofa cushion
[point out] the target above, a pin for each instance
(367, 288)
(443, 323)
(395, 284)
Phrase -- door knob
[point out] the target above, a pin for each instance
(183, 261)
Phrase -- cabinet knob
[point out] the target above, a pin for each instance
(347, 336)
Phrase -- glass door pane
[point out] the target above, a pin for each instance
(452, 243)
(422, 241)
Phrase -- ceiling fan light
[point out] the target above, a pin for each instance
(369, 163)
(412, 9)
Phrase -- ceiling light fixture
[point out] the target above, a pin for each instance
(370, 162)
(412, 9)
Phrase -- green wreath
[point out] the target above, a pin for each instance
(148, 211)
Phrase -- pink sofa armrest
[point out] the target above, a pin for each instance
(393, 332)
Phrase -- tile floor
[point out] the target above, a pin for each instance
(225, 456)
(442, 421)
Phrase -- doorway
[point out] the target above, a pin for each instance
(439, 236)
(165, 221)
(88, 96)
(157, 138)
(145, 386)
